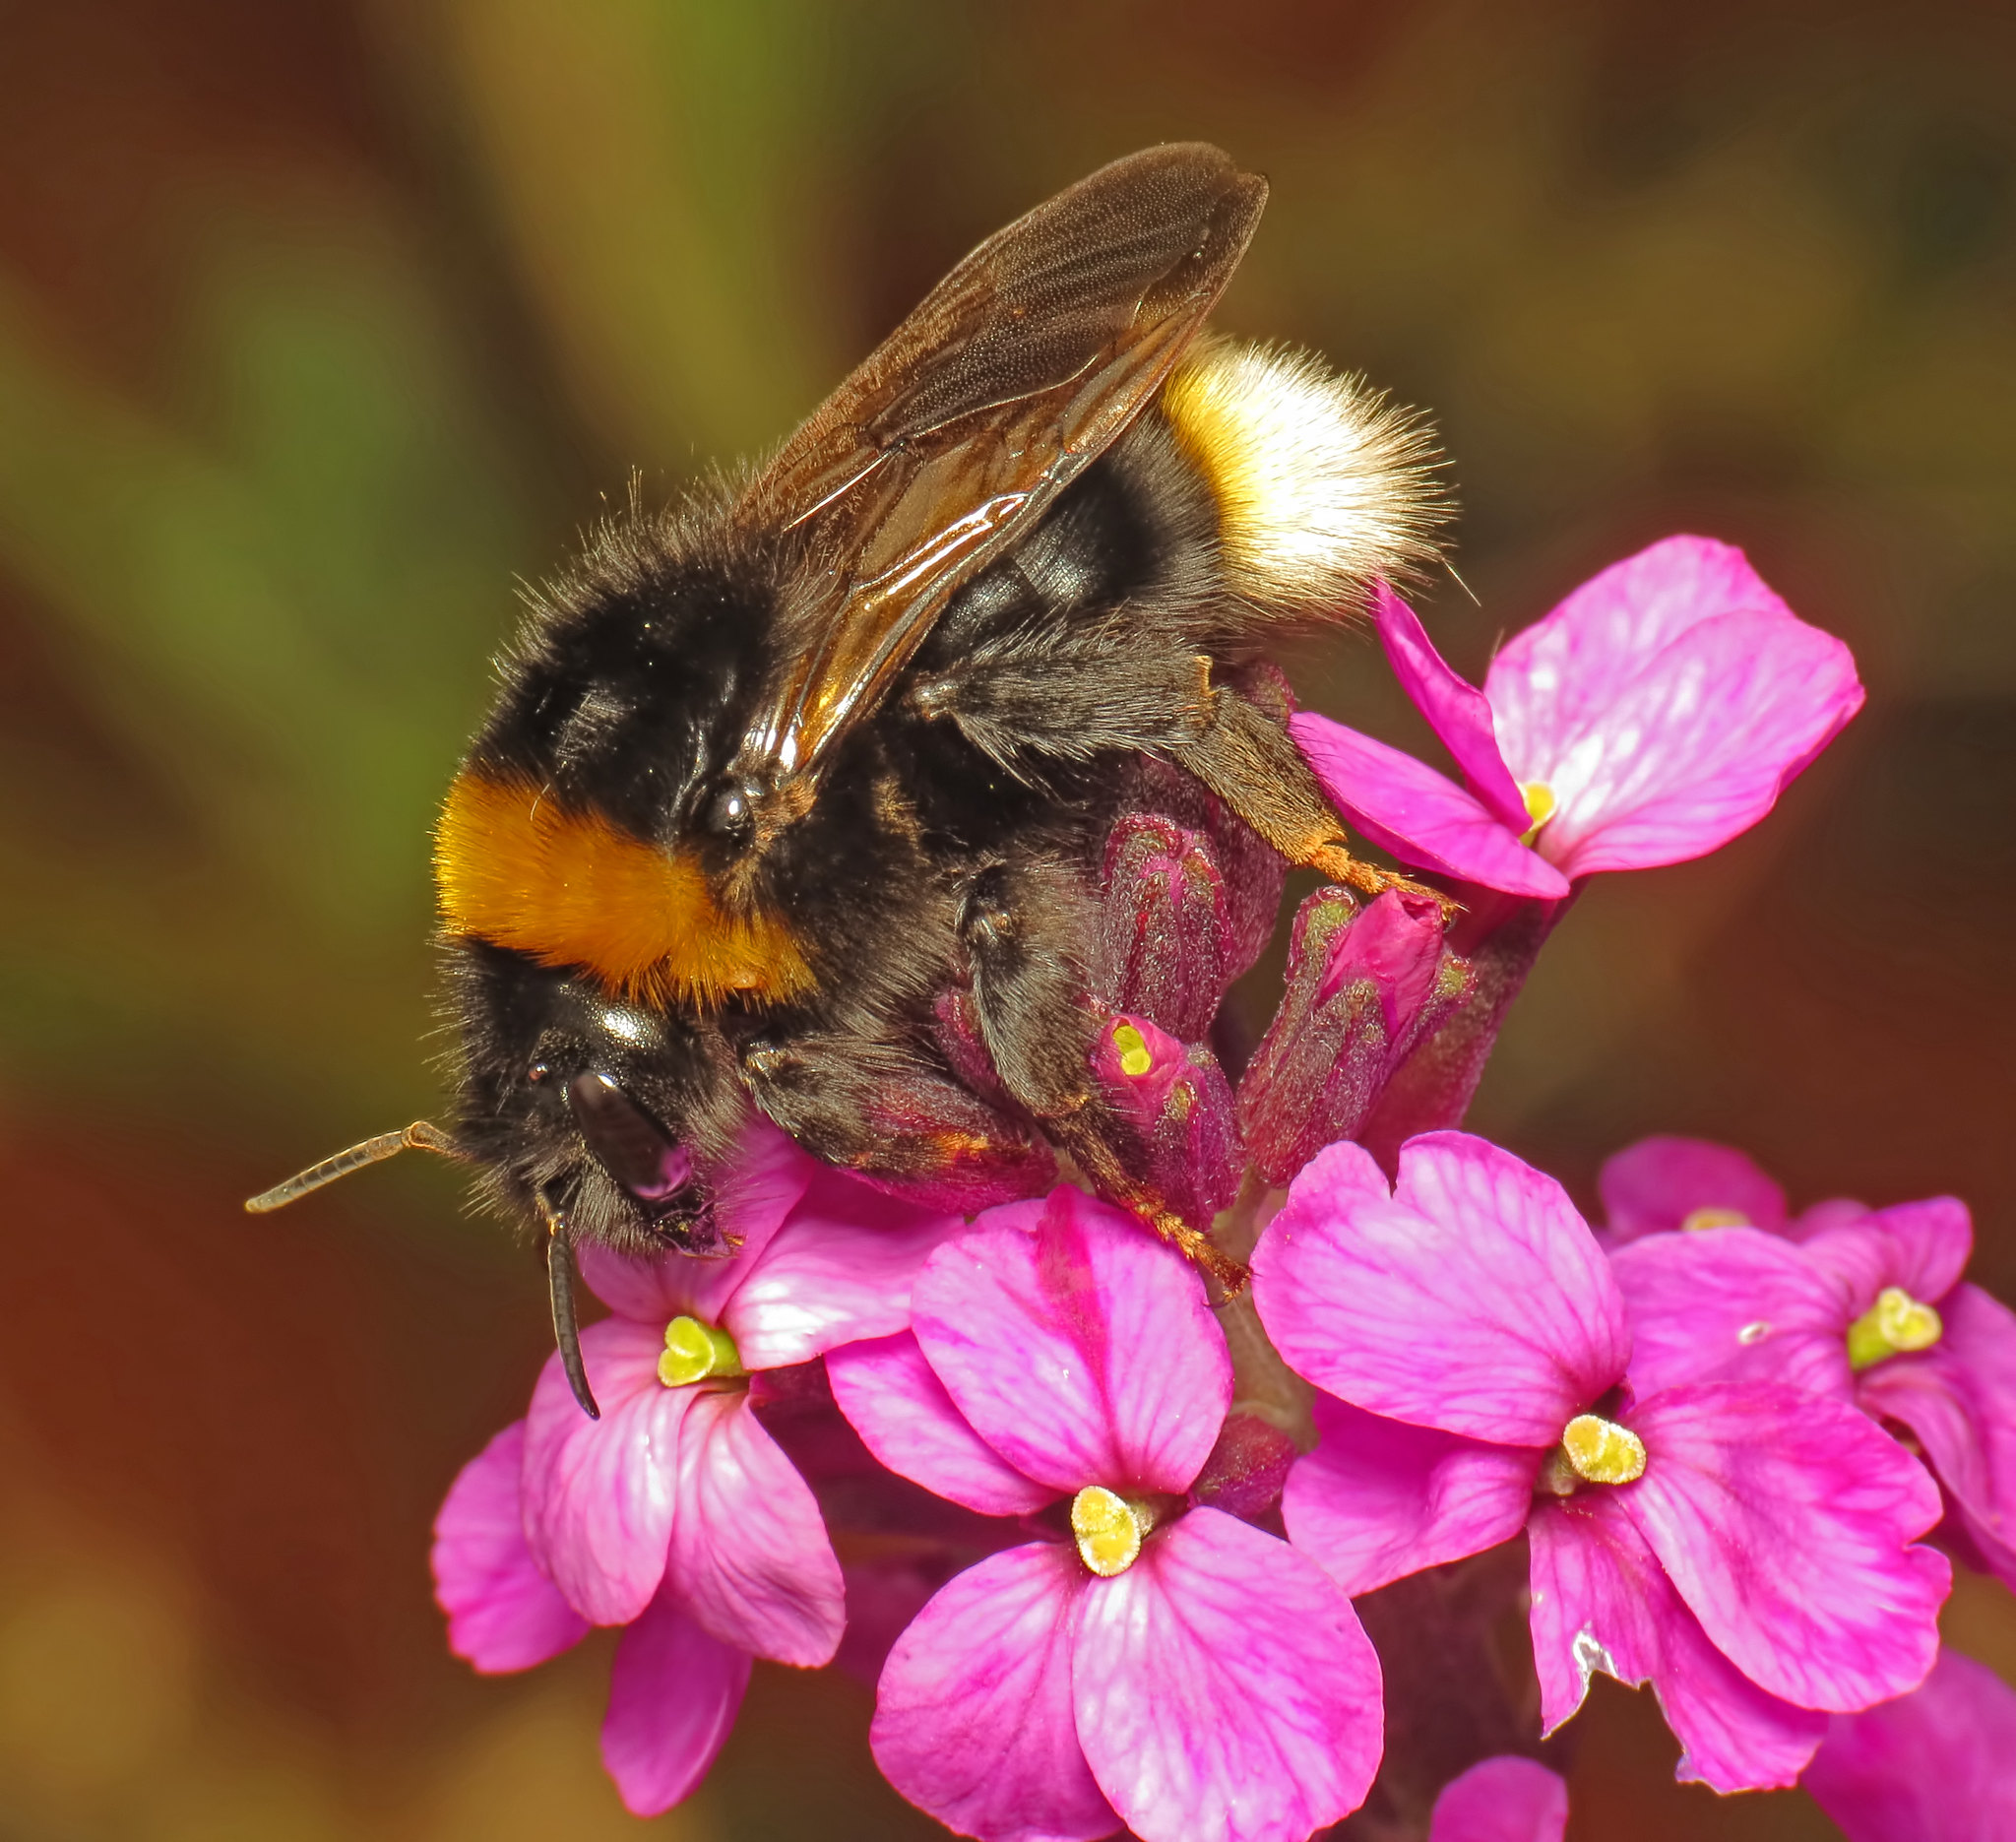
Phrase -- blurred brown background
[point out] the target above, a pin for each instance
(320, 323)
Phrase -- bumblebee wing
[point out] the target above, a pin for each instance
(1018, 369)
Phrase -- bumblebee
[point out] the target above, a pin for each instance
(772, 777)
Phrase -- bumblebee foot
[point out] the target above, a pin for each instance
(1336, 863)
(1201, 1251)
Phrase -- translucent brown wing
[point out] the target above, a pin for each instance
(1019, 368)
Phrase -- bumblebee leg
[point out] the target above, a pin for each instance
(1248, 760)
(1041, 1030)
(874, 1102)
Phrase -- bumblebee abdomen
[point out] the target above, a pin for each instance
(1321, 483)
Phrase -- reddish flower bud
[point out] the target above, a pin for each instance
(1247, 1469)
(958, 1031)
(1177, 1102)
(1363, 990)
(1165, 930)
(1246, 873)
(966, 1153)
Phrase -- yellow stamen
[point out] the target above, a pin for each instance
(1109, 1528)
(1599, 1451)
(1714, 1218)
(697, 1352)
(1135, 1058)
(1539, 806)
(1896, 1324)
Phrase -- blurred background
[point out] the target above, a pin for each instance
(323, 324)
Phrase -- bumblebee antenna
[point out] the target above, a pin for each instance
(419, 1136)
(560, 1285)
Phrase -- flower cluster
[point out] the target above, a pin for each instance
(1746, 1546)
(1094, 1522)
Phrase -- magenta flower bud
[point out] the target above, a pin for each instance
(1164, 931)
(966, 1154)
(1180, 1107)
(1247, 1469)
(1253, 870)
(1364, 991)
(958, 1031)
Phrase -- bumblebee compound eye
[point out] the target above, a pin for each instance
(731, 812)
(652, 1167)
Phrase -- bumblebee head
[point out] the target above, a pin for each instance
(594, 1118)
(598, 1111)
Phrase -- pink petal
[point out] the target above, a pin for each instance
(1403, 805)
(1959, 1398)
(1928, 1396)
(599, 1494)
(1248, 1469)
(1600, 1600)
(1379, 1499)
(1458, 713)
(1732, 1304)
(1473, 1300)
(1502, 1800)
(673, 1695)
(1226, 1691)
(892, 1398)
(1935, 1766)
(1922, 1246)
(1698, 747)
(1980, 1344)
(839, 1270)
(1658, 1183)
(973, 1718)
(754, 1194)
(503, 1613)
(1083, 1353)
(1831, 1211)
(1558, 676)
(749, 1557)
(1783, 1521)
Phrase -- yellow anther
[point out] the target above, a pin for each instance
(1108, 1529)
(1135, 1058)
(1539, 806)
(1894, 1325)
(697, 1352)
(1714, 1218)
(1599, 1451)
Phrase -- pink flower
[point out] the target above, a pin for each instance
(673, 1690)
(1741, 1546)
(1158, 1664)
(1938, 1765)
(1502, 1800)
(1662, 1182)
(676, 1514)
(1665, 1182)
(1872, 1311)
(677, 1476)
(1656, 713)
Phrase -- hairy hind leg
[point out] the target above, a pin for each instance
(1250, 761)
